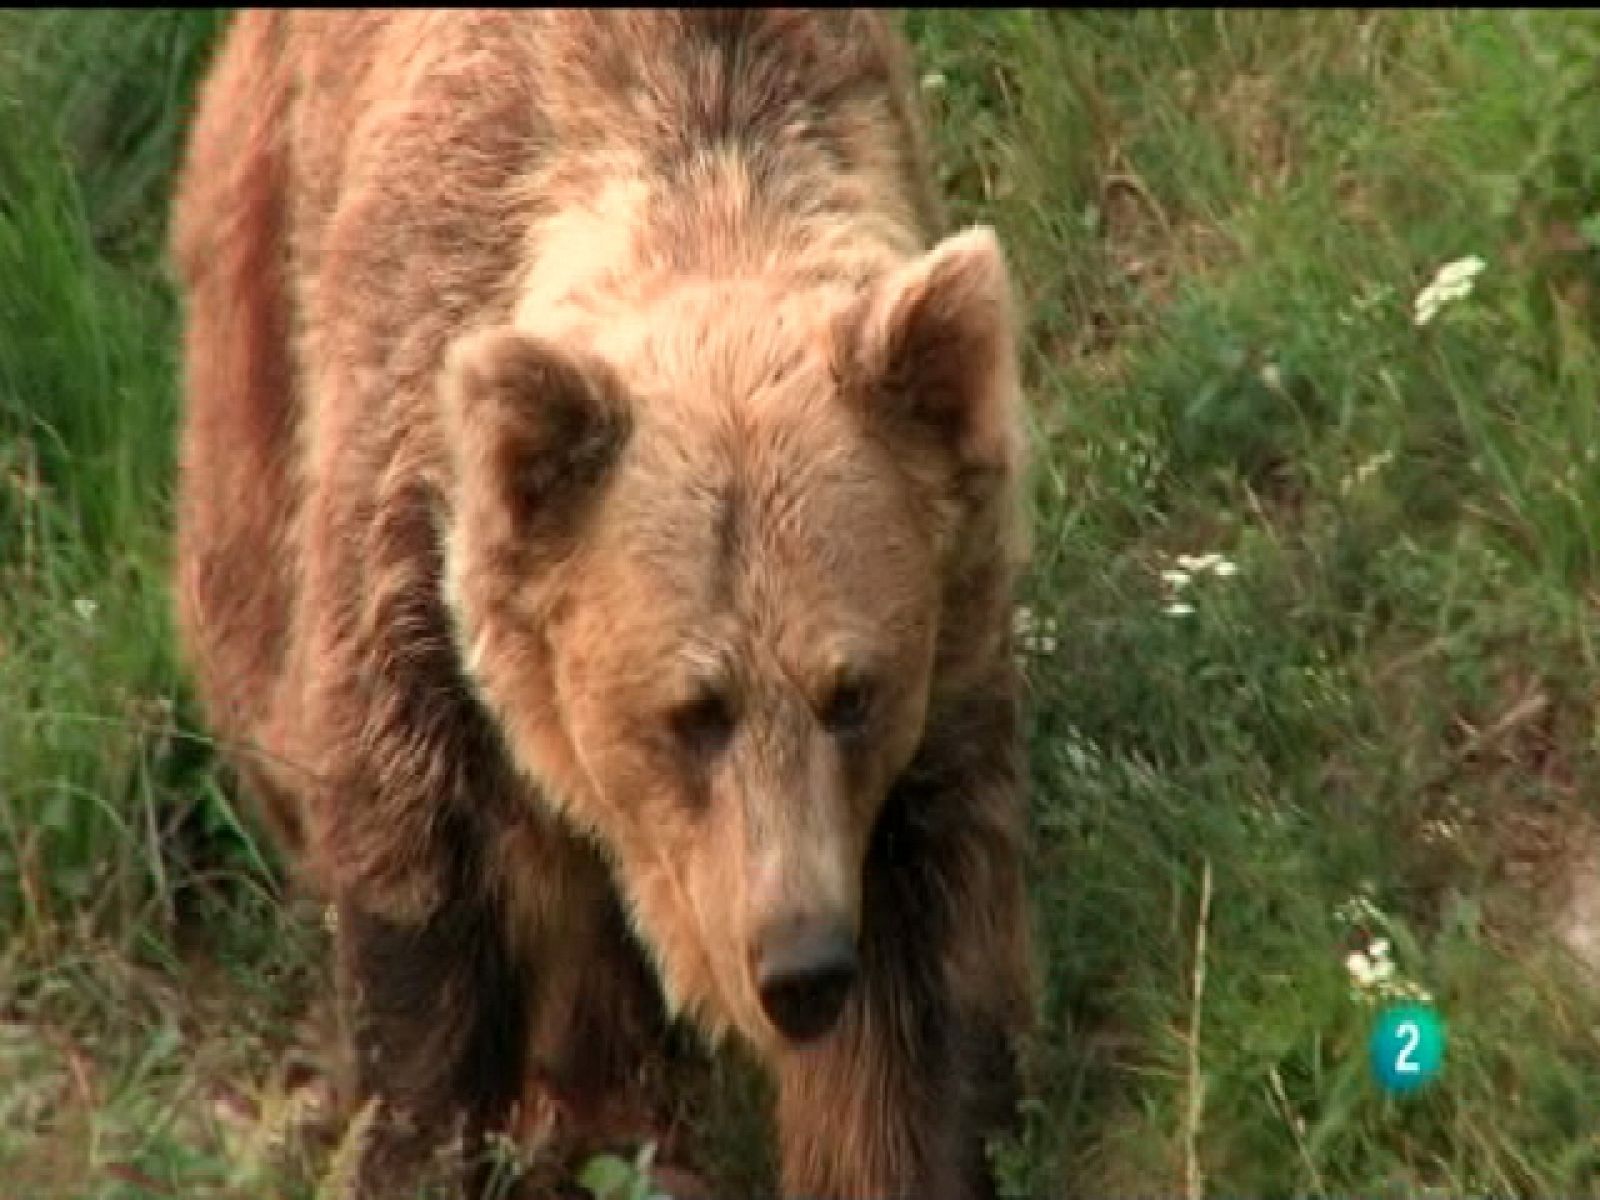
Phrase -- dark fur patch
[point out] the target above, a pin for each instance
(436, 1014)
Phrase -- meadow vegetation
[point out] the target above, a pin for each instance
(1311, 629)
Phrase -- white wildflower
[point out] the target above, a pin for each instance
(1036, 635)
(1198, 564)
(86, 608)
(1188, 567)
(1374, 975)
(933, 81)
(1442, 829)
(1453, 281)
(1365, 470)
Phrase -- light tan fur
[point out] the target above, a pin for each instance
(584, 408)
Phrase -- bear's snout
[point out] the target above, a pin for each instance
(804, 969)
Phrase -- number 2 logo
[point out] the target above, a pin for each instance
(1409, 1035)
(1407, 1048)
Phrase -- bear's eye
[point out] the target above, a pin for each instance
(705, 723)
(847, 707)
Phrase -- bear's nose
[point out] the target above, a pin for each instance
(804, 971)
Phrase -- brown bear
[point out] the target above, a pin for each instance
(598, 515)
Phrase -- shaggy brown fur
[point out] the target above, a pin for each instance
(597, 530)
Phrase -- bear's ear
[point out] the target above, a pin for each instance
(532, 430)
(935, 346)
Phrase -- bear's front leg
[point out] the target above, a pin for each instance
(434, 1015)
(878, 1111)
(898, 1101)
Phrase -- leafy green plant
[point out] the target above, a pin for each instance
(610, 1177)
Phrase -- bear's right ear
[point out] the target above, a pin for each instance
(531, 430)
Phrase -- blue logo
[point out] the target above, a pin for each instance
(1407, 1048)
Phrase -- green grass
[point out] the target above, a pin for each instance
(1219, 223)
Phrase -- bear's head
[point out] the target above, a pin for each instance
(712, 564)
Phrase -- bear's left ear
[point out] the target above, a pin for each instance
(935, 347)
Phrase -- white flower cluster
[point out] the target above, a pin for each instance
(1374, 976)
(1364, 471)
(1188, 567)
(1449, 824)
(1372, 967)
(1035, 634)
(1451, 282)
